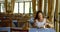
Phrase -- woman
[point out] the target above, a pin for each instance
(40, 21)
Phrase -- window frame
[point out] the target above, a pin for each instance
(23, 7)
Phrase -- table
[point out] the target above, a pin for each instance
(18, 30)
(30, 30)
(41, 30)
(12, 29)
(5, 29)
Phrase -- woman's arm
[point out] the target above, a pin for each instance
(34, 24)
(49, 24)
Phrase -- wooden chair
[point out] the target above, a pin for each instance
(18, 30)
(7, 23)
(24, 21)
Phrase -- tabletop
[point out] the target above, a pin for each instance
(42, 30)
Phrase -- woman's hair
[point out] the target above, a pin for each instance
(36, 17)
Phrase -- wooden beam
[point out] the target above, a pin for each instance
(49, 10)
(53, 10)
(57, 21)
(40, 5)
(59, 13)
(9, 6)
(5, 5)
(12, 5)
(34, 7)
(45, 7)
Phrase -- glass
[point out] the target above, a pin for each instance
(2, 7)
(27, 7)
(21, 7)
(16, 8)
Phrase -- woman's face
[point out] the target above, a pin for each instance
(40, 16)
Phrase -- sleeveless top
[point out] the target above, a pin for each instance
(41, 24)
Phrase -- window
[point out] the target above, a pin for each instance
(2, 7)
(16, 8)
(27, 7)
(21, 7)
(31, 8)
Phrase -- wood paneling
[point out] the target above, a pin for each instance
(5, 5)
(45, 7)
(56, 14)
(18, 30)
(50, 10)
(40, 5)
(12, 5)
(34, 7)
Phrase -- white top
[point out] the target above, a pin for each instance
(40, 24)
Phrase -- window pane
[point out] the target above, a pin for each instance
(26, 7)
(16, 8)
(31, 8)
(21, 7)
(2, 7)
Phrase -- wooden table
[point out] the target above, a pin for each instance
(18, 30)
(13, 29)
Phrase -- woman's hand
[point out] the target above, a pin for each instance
(48, 25)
